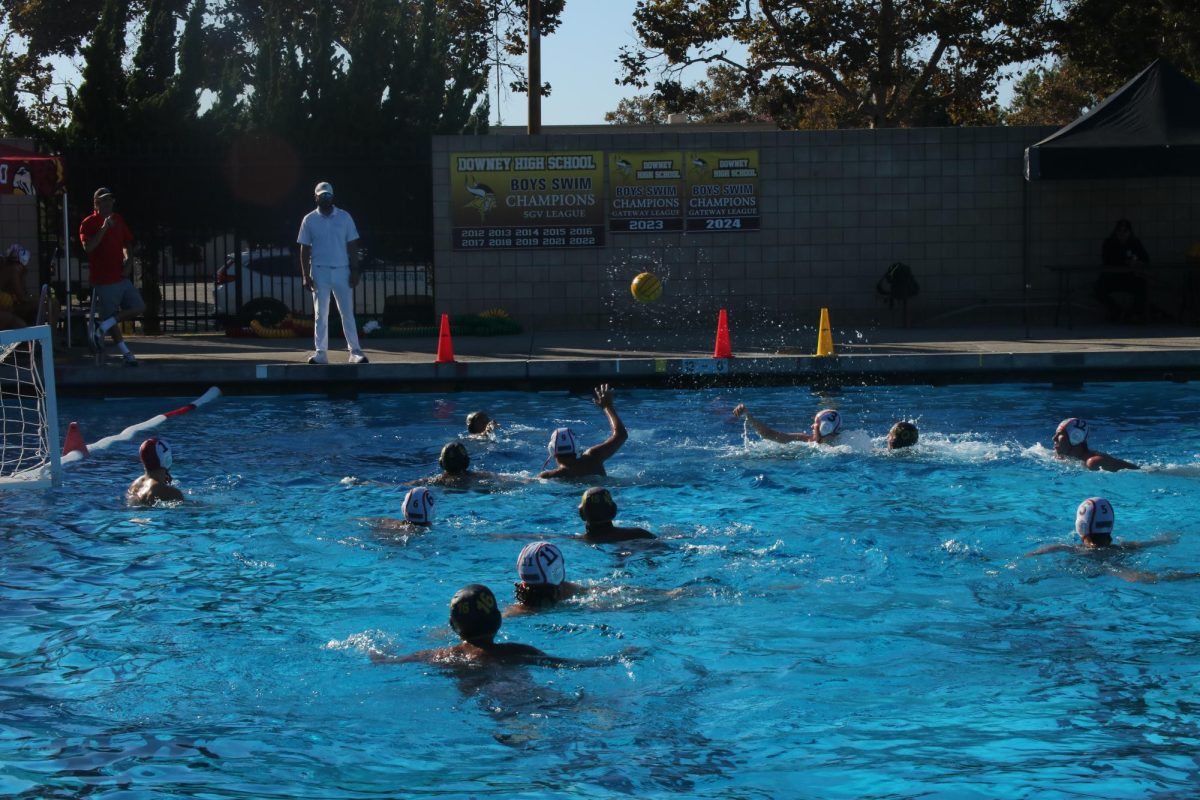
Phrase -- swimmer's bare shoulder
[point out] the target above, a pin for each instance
(1107, 463)
(393, 525)
(146, 491)
(618, 535)
(466, 653)
(584, 466)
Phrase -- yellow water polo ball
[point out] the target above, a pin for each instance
(646, 288)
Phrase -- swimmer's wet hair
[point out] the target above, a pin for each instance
(597, 505)
(454, 458)
(477, 422)
(474, 614)
(906, 434)
(537, 595)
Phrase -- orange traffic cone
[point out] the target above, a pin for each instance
(74, 440)
(445, 353)
(722, 348)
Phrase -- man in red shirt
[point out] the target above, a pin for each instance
(106, 239)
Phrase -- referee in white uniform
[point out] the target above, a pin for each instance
(329, 262)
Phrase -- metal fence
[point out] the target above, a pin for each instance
(224, 281)
(214, 249)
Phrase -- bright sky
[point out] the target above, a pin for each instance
(579, 63)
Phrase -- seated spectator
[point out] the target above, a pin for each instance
(17, 307)
(1122, 255)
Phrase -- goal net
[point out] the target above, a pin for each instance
(29, 455)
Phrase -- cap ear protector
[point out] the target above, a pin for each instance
(828, 422)
(562, 443)
(418, 506)
(454, 458)
(474, 613)
(597, 505)
(541, 564)
(1076, 429)
(1095, 517)
(155, 454)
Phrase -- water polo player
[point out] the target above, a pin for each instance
(155, 482)
(902, 434)
(455, 462)
(542, 572)
(1094, 523)
(826, 425)
(480, 424)
(1071, 442)
(565, 450)
(597, 509)
(475, 617)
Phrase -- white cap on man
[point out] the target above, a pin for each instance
(324, 187)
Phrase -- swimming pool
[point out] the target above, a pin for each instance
(854, 623)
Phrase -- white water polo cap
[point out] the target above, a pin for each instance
(1095, 517)
(562, 442)
(541, 564)
(828, 422)
(418, 506)
(155, 454)
(1076, 429)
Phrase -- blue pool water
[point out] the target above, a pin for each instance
(853, 623)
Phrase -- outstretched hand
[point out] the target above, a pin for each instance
(603, 396)
(739, 409)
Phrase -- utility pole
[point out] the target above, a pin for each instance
(535, 68)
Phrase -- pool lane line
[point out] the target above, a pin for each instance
(128, 434)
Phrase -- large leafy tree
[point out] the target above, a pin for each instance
(843, 63)
(721, 97)
(1099, 45)
(465, 41)
(1112, 40)
(1054, 95)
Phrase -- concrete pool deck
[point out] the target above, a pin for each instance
(183, 364)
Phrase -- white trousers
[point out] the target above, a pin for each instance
(336, 280)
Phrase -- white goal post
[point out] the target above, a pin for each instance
(29, 445)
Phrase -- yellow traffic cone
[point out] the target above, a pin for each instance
(825, 336)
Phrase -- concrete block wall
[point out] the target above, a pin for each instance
(837, 207)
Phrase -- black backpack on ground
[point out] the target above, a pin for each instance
(898, 283)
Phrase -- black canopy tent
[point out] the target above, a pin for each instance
(1148, 128)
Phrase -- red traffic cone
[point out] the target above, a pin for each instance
(722, 348)
(445, 353)
(74, 440)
